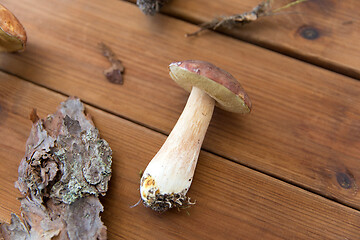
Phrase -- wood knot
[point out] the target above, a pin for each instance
(344, 180)
(309, 33)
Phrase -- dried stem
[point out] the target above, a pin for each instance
(261, 10)
(288, 5)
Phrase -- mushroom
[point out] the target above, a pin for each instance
(169, 174)
(12, 33)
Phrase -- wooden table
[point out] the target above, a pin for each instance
(289, 170)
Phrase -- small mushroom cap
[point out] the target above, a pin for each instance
(217, 83)
(12, 33)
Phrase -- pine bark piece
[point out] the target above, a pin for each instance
(65, 168)
(151, 7)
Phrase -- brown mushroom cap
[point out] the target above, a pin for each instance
(12, 33)
(217, 83)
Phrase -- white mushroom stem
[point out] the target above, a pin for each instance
(168, 176)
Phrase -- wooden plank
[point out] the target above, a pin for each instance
(323, 32)
(305, 123)
(233, 202)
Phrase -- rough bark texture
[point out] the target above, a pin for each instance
(150, 7)
(65, 168)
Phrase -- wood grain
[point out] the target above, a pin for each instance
(322, 32)
(233, 202)
(305, 123)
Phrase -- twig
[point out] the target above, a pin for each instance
(261, 10)
(288, 5)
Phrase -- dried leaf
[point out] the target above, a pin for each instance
(114, 73)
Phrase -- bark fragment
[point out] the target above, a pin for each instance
(151, 7)
(65, 168)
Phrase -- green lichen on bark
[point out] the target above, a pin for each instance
(65, 168)
(89, 173)
(66, 159)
